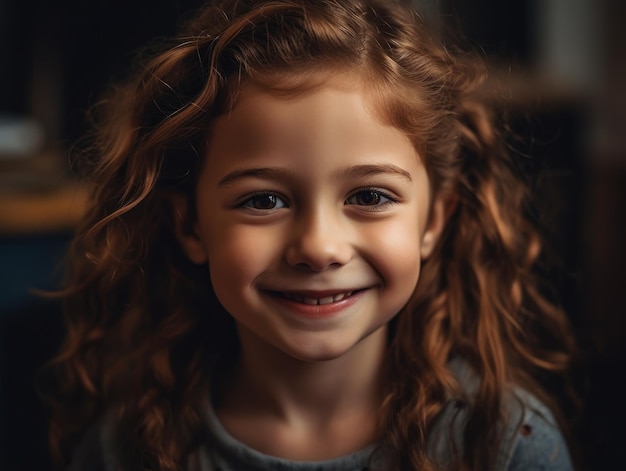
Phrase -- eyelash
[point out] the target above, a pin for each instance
(246, 202)
(388, 200)
(380, 194)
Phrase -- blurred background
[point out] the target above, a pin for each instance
(559, 70)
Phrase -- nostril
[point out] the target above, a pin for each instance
(314, 266)
(318, 254)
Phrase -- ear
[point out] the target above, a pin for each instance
(441, 210)
(186, 232)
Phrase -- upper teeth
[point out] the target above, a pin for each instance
(318, 301)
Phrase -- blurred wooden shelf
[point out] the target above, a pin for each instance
(52, 210)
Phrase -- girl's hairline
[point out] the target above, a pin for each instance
(299, 82)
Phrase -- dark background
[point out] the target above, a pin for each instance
(564, 65)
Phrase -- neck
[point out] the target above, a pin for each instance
(324, 398)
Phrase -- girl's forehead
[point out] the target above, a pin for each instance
(331, 118)
(295, 85)
(386, 101)
(260, 105)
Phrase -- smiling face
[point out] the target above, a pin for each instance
(313, 217)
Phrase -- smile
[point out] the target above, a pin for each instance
(316, 304)
(313, 301)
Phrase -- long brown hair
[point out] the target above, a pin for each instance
(144, 327)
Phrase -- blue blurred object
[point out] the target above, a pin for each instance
(32, 262)
(31, 330)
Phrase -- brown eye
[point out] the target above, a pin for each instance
(370, 197)
(264, 202)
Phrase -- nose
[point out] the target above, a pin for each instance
(319, 241)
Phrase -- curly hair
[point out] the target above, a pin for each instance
(144, 328)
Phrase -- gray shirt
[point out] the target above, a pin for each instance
(531, 442)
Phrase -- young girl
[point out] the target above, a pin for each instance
(307, 250)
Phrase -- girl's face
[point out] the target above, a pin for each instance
(313, 217)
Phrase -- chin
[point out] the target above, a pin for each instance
(319, 351)
(314, 358)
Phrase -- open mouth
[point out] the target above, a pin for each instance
(313, 301)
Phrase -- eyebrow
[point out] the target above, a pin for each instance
(375, 169)
(270, 173)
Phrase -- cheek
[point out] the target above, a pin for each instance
(396, 255)
(238, 255)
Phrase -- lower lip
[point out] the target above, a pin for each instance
(318, 311)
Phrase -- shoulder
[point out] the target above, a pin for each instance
(533, 440)
(95, 451)
(89, 453)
